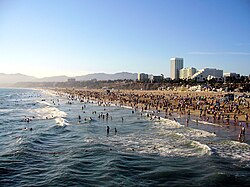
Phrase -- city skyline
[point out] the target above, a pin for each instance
(50, 38)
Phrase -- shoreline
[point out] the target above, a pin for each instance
(116, 98)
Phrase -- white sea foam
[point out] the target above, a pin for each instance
(204, 147)
(43, 102)
(232, 149)
(49, 113)
(168, 138)
(168, 144)
(170, 122)
(61, 121)
(207, 123)
(196, 133)
(127, 107)
(6, 110)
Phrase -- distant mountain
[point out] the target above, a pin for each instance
(62, 78)
(105, 76)
(13, 78)
(9, 79)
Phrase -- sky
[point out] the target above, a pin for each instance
(76, 37)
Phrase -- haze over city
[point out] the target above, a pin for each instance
(48, 38)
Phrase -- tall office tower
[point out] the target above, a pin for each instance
(176, 64)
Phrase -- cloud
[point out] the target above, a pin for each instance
(217, 53)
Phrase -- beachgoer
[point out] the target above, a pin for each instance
(107, 130)
(242, 134)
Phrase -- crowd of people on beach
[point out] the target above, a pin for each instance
(214, 108)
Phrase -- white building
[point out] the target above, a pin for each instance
(208, 73)
(142, 77)
(176, 64)
(187, 73)
(230, 76)
(233, 75)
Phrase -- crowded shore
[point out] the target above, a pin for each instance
(188, 107)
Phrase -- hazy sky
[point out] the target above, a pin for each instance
(75, 37)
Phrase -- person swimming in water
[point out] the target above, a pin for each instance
(107, 130)
(115, 131)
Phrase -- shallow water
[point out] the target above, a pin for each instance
(61, 151)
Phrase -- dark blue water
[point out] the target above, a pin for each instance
(61, 151)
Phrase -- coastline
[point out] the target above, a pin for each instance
(102, 98)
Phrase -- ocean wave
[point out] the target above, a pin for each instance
(204, 147)
(44, 103)
(47, 113)
(6, 110)
(61, 121)
(207, 123)
(170, 122)
(232, 149)
(127, 107)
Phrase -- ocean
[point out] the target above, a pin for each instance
(44, 143)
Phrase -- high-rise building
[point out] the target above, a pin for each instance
(176, 64)
(187, 73)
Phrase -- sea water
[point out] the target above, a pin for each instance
(55, 148)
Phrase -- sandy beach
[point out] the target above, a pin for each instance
(210, 108)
